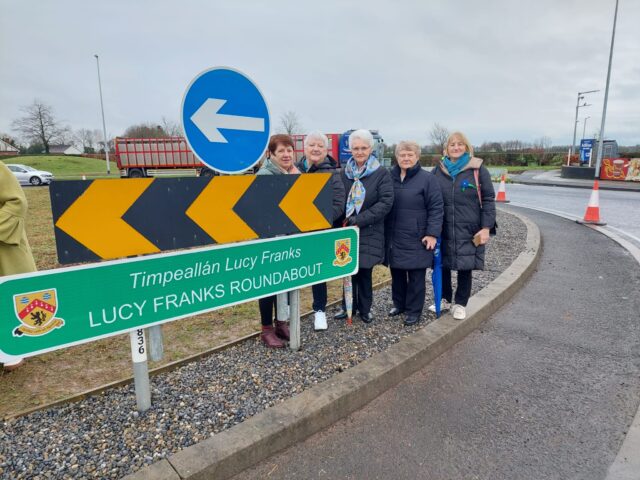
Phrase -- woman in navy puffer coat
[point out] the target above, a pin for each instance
(469, 214)
(412, 228)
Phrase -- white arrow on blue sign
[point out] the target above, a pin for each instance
(225, 120)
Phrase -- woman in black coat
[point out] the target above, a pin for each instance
(469, 214)
(316, 159)
(412, 229)
(369, 200)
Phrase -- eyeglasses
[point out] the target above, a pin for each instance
(360, 149)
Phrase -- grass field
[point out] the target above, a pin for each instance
(66, 166)
(66, 372)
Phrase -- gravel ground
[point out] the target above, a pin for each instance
(105, 437)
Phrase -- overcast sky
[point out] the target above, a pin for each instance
(495, 69)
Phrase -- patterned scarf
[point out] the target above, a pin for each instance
(357, 192)
(454, 168)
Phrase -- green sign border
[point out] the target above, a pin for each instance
(110, 286)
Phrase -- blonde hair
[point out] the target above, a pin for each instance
(462, 137)
(410, 146)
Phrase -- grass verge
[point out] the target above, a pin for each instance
(56, 375)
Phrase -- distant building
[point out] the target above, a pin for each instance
(8, 149)
(64, 150)
(609, 150)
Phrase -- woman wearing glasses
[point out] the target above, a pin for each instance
(369, 199)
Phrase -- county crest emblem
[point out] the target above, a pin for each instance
(343, 248)
(36, 312)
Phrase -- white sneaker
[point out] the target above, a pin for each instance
(444, 305)
(458, 312)
(320, 321)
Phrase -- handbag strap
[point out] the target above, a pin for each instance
(476, 176)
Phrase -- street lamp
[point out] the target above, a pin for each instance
(575, 123)
(104, 126)
(606, 97)
(584, 126)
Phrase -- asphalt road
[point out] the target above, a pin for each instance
(620, 210)
(546, 389)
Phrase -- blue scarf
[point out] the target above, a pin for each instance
(355, 199)
(454, 168)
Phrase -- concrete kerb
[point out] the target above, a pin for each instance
(283, 425)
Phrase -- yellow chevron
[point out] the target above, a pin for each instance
(298, 205)
(94, 219)
(213, 209)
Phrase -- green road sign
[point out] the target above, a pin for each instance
(53, 309)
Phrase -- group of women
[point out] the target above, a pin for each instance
(400, 214)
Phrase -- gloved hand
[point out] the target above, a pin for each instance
(350, 222)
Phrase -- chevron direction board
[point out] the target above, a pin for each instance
(106, 219)
(52, 309)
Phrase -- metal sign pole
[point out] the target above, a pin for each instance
(606, 97)
(294, 322)
(282, 306)
(156, 348)
(140, 369)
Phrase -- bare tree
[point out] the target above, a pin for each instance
(513, 145)
(438, 135)
(542, 146)
(171, 128)
(145, 130)
(39, 125)
(290, 123)
(87, 138)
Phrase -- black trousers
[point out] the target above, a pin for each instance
(362, 291)
(319, 297)
(408, 289)
(268, 310)
(463, 292)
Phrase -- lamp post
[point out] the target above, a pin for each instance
(104, 126)
(584, 126)
(575, 123)
(606, 97)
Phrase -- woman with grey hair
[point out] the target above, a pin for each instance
(412, 228)
(316, 159)
(369, 200)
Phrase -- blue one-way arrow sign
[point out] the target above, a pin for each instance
(225, 120)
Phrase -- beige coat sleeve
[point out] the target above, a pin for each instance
(15, 252)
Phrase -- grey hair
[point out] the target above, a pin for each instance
(362, 134)
(317, 135)
(409, 146)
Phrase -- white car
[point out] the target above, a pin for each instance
(29, 175)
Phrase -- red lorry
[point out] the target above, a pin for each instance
(148, 157)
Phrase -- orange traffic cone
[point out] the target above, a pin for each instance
(502, 191)
(592, 215)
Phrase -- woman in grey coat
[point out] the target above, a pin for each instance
(369, 200)
(469, 214)
(412, 229)
(316, 159)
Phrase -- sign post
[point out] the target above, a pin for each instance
(140, 369)
(156, 348)
(294, 322)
